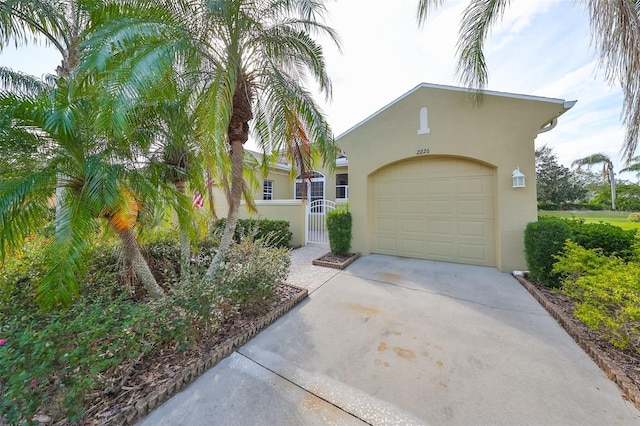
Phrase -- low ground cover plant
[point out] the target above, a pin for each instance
(606, 291)
(54, 362)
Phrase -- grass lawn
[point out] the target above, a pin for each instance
(612, 217)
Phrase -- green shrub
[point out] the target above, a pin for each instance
(613, 240)
(53, 363)
(19, 276)
(606, 291)
(339, 227)
(548, 206)
(634, 217)
(542, 241)
(250, 272)
(275, 231)
(583, 206)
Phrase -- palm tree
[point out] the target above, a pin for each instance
(614, 28)
(633, 165)
(253, 58)
(59, 23)
(98, 181)
(607, 171)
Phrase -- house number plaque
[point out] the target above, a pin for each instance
(422, 151)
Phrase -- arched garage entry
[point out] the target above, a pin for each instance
(438, 208)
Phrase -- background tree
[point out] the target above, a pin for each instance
(627, 197)
(614, 31)
(607, 171)
(556, 184)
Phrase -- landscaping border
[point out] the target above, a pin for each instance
(335, 265)
(131, 414)
(618, 376)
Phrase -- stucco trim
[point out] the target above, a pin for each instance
(432, 156)
(566, 104)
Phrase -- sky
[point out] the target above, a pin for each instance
(540, 47)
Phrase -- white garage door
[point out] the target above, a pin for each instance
(435, 208)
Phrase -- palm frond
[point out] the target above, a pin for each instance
(75, 227)
(477, 20)
(22, 21)
(23, 207)
(425, 7)
(614, 31)
(21, 83)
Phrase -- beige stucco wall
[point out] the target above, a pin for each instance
(283, 185)
(292, 211)
(283, 206)
(500, 132)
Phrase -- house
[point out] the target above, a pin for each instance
(431, 175)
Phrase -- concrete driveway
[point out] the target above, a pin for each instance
(404, 341)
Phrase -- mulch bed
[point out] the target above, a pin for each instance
(337, 261)
(155, 378)
(621, 366)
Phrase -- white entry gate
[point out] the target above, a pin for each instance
(316, 218)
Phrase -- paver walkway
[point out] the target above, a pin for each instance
(303, 273)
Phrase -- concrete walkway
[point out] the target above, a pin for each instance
(403, 341)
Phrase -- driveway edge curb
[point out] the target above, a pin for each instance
(131, 414)
(605, 363)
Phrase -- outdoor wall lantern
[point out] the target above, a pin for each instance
(518, 178)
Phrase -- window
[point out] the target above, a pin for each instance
(267, 190)
(342, 185)
(310, 186)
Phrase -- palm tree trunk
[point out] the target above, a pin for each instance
(139, 264)
(185, 243)
(612, 178)
(212, 204)
(237, 183)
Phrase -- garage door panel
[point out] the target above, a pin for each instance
(473, 253)
(386, 206)
(409, 169)
(409, 188)
(440, 226)
(471, 186)
(412, 225)
(412, 246)
(440, 209)
(386, 224)
(440, 250)
(411, 207)
(472, 229)
(385, 189)
(479, 207)
(387, 245)
(438, 187)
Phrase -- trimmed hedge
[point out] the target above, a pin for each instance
(275, 232)
(543, 240)
(611, 239)
(339, 227)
